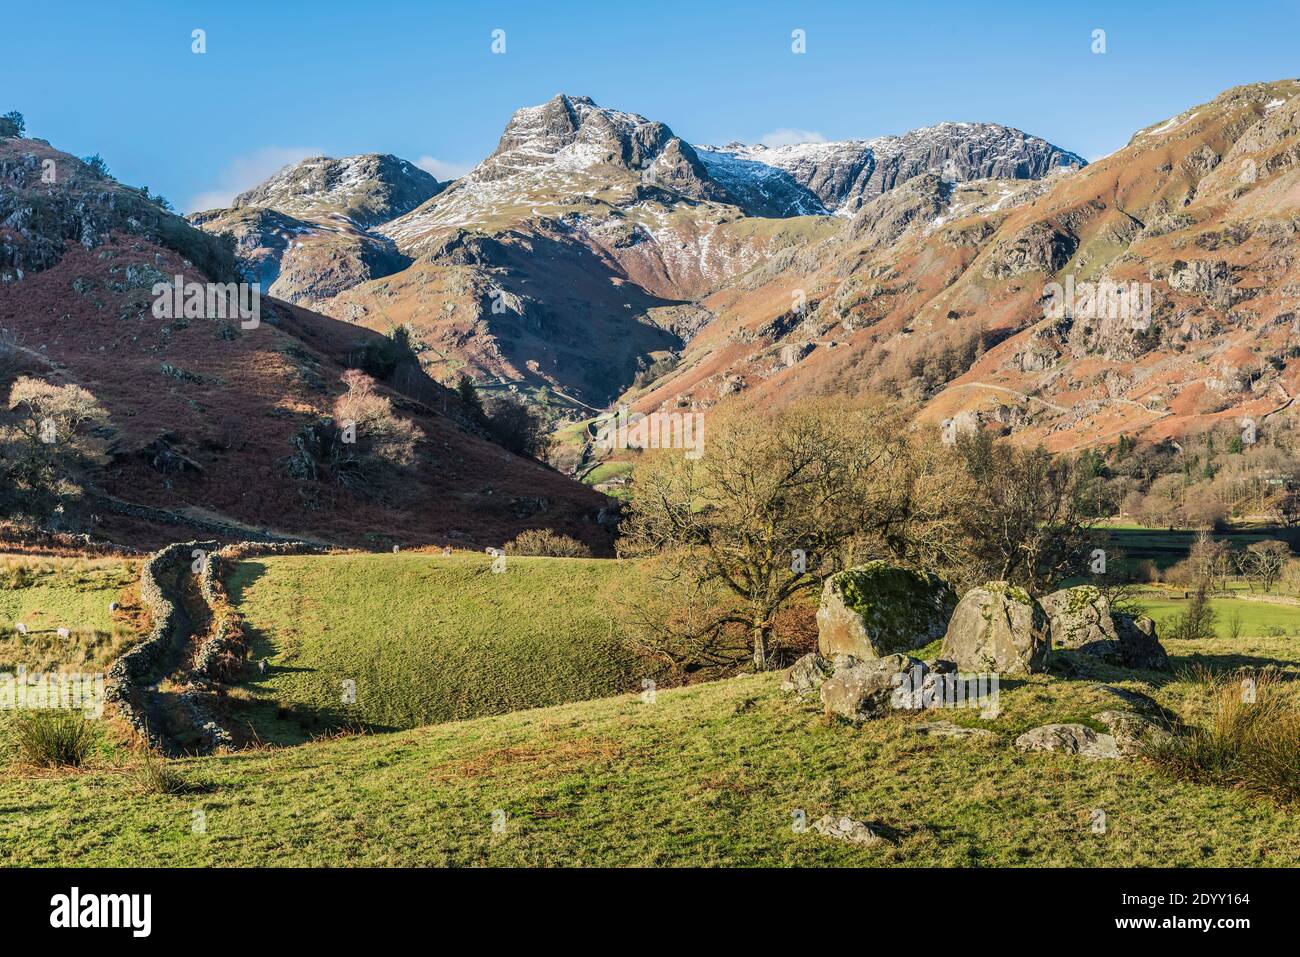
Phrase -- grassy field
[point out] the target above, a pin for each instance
(706, 775)
(712, 774)
(1257, 617)
(425, 638)
(46, 594)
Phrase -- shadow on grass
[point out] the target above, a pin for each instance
(1231, 662)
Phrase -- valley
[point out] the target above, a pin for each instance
(472, 474)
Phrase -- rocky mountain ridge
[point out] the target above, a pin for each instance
(845, 175)
(367, 189)
(576, 192)
(939, 292)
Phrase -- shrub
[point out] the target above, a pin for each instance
(1197, 622)
(363, 447)
(49, 437)
(1248, 742)
(53, 737)
(379, 433)
(543, 542)
(1146, 572)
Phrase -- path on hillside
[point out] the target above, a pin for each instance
(222, 525)
(1020, 395)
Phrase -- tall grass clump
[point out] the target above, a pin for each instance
(156, 776)
(52, 737)
(1248, 740)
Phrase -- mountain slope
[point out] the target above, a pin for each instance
(936, 291)
(209, 420)
(568, 259)
(301, 261)
(305, 233)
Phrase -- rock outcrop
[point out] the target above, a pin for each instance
(1132, 732)
(1082, 620)
(998, 628)
(844, 828)
(1069, 739)
(879, 609)
(42, 218)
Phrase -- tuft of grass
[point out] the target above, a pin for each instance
(157, 776)
(52, 738)
(1250, 739)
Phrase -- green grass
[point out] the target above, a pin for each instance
(426, 638)
(1258, 618)
(706, 775)
(47, 594)
(606, 471)
(710, 774)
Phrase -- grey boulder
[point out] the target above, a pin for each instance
(1069, 739)
(998, 628)
(806, 676)
(869, 689)
(879, 609)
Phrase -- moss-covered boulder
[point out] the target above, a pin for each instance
(881, 609)
(1082, 619)
(998, 628)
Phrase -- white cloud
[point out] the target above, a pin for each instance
(788, 137)
(245, 172)
(441, 169)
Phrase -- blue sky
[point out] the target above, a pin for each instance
(285, 78)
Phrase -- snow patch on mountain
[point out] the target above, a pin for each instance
(845, 174)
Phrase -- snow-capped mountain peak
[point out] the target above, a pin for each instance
(368, 189)
(843, 175)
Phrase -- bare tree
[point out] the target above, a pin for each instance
(1264, 562)
(1022, 512)
(50, 436)
(766, 510)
